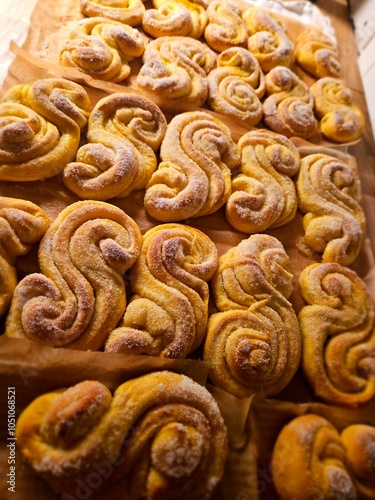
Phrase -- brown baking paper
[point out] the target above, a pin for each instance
(34, 369)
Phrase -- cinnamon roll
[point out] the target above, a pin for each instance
(176, 18)
(124, 132)
(225, 28)
(175, 68)
(22, 224)
(194, 176)
(289, 106)
(160, 434)
(337, 325)
(103, 48)
(236, 86)
(317, 54)
(268, 41)
(359, 441)
(340, 119)
(40, 128)
(309, 461)
(253, 344)
(124, 11)
(79, 296)
(263, 194)
(328, 193)
(167, 315)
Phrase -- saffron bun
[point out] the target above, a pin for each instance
(124, 11)
(161, 433)
(40, 128)
(338, 335)
(225, 28)
(168, 312)
(79, 296)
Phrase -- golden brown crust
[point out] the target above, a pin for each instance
(124, 11)
(225, 28)
(175, 18)
(80, 296)
(340, 119)
(329, 195)
(317, 54)
(168, 314)
(176, 68)
(309, 461)
(40, 128)
(253, 345)
(124, 132)
(22, 223)
(103, 48)
(289, 107)
(337, 326)
(159, 434)
(359, 441)
(194, 176)
(263, 194)
(236, 86)
(268, 41)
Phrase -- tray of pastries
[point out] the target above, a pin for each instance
(187, 302)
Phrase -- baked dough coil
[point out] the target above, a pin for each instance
(175, 68)
(40, 128)
(176, 18)
(160, 434)
(103, 48)
(289, 107)
(167, 316)
(309, 461)
(253, 344)
(194, 176)
(340, 119)
(268, 41)
(124, 132)
(79, 296)
(337, 325)
(124, 11)
(317, 54)
(359, 441)
(22, 224)
(236, 86)
(263, 194)
(329, 194)
(225, 28)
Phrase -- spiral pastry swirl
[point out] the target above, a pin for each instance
(263, 194)
(124, 131)
(338, 334)
(124, 11)
(102, 48)
(194, 176)
(168, 314)
(340, 119)
(225, 28)
(289, 106)
(253, 343)
(176, 18)
(317, 54)
(268, 41)
(328, 192)
(309, 461)
(40, 128)
(79, 296)
(22, 223)
(359, 440)
(236, 86)
(159, 434)
(176, 68)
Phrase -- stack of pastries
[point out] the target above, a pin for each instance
(189, 224)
